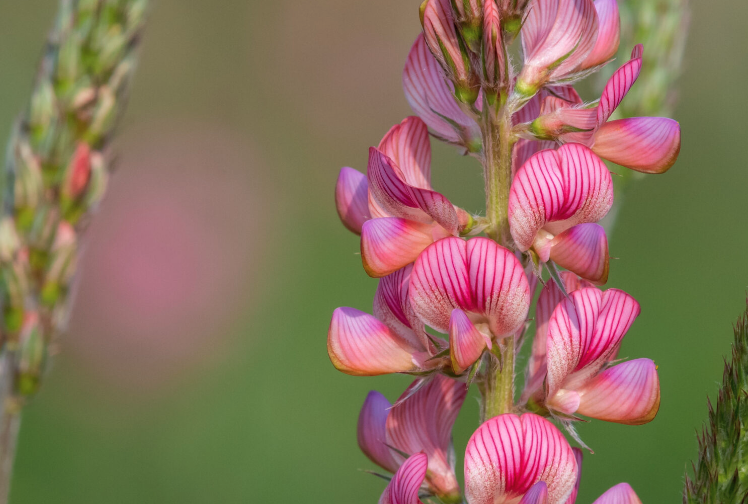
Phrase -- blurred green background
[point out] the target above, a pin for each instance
(196, 370)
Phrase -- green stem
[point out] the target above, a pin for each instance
(498, 390)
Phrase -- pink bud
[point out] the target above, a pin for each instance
(494, 61)
(78, 172)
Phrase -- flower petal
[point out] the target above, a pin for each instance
(622, 493)
(371, 431)
(618, 85)
(351, 198)
(423, 422)
(431, 97)
(466, 343)
(408, 145)
(556, 190)
(608, 34)
(441, 36)
(645, 144)
(583, 249)
(584, 333)
(578, 455)
(392, 307)
(390, 243)
(404, 486)
(538, 494)
(508, 454)
(360, 345)
(627, 393)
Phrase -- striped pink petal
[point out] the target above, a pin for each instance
(466, 342)
(423, 422)
(556, 190)
(360, 345)
(392, 307)
(371, 431)
(441, 36)
(399, 199)
(478, 276)
(608, 34)
(618, 85)
(404, 486)
(494, 64)
(408, 145)
(555, 29)
(578, 455)
(584, 333)
(627, 393)
(431, 97)
(538, 494)
(509, 454)
(622, 493)
(583, 250)
(351, 198)
(645, 144)
(390, 243)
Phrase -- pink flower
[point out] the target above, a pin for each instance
(584, 334)
(554, 202)
(421, 421)
(510, 456)
(404, 486)
(431, 97)
(646, 144)
(475, 290)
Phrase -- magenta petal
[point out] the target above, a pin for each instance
(509, 454)
(622, 493)
(627, 393)
(608, 35)
(583, 249)
(466, 343)
(359, 344)
(392, 307)
(351, 198)
(645, 144)
(389, 243)
(408, 145)
(371, 431)
(538, 494)
(404, 486)
(423, 422)
(618, 85)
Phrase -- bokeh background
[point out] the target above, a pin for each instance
(195, 369)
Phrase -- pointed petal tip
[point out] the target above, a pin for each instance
(466, 343)
(645, 144)
(352, 198)
(622, 493)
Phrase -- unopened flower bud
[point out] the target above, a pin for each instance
(68, 61)
(9, 240)
(29, 183)
(61, 265)
(111, 47)
(104, 115)
(16, 282)
(494, 61)
(136, 11)
(77, 172)
(43, 107)
(448, 49)
(469, 18)
(33, 355)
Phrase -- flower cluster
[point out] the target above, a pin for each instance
(543, 151)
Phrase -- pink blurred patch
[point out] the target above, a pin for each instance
(169, 257)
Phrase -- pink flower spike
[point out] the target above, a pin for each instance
(466, 343)
(392, 307)
(404, 486)
(555, 190)
(360, 345)
(622, 493)
(352, 199)
(509, 454)
(583, 250)
(432, 99)
(538, 494)
(477, 276)
(645, 144)
(608, 35)
(371, 431)
(627, 393)
(390, 243)
(423, 422)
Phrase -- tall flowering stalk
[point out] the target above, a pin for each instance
(56, 174)
(542, 149)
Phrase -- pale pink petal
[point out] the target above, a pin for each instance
(583, 250)
(404, 486)
(622, 493)
(608, 35)
(359, 344)
(408, 145)
(556, 190)
(499, 286)
(645, 144)
(573, 497)
(351, 198)
(509, 454)
(423, 422)
(390, 243)
(584, 333)
(538, 494)
(466, 343)
(618, 85)
(399, 199)
(431, 97)
(627, 393)
(371, 431)
(392, 307)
